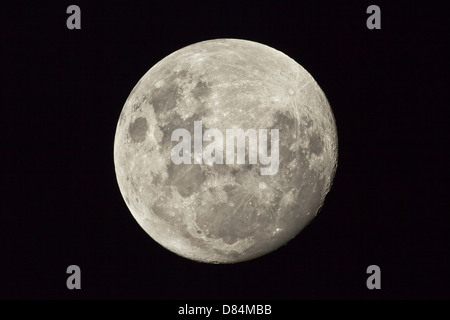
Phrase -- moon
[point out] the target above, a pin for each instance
(225, 212)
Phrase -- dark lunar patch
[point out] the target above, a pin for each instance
(138, 130)
(287, 126)
(165, 98)
(186, 178)
(316, 144)
(175, 123)
(201, 90)
(203, 109)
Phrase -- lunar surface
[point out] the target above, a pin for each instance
(225, 212)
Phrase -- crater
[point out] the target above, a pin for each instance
(287, 125)
(138, 130)
(229, 239)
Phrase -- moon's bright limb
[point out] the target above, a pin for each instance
(225, 213)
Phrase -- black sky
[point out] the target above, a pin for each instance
(62, 93)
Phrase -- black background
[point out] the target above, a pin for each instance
(62, 93)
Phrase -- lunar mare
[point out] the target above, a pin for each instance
(225, 213)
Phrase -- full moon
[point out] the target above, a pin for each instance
(234, 207)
